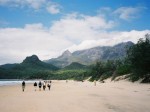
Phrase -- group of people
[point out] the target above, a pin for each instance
(43, 84)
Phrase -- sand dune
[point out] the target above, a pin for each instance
(73, 96)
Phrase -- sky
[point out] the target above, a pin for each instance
(49, 27)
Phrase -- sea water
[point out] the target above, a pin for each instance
(4, 82)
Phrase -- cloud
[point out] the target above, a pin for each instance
(51, 7)
(17, 43)
(35, 4)
(110, 39)
(78, 27)
(37, 26)
(73, 31)
(128, 13)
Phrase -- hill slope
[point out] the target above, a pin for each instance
(91, 55)
(30, 67)
(34, 63)
(75, 65)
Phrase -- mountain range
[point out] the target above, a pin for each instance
(90, 56)
(32, 67)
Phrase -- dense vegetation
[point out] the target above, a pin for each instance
(139, 56)
(136, 65)
(29, 68)
(110, 68)
(33, 68)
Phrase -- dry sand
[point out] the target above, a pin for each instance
(77, 97)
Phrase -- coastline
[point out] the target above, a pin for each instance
(121, 96)
(9, 82)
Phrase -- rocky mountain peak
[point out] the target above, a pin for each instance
(66, 53)
(90, 56)
(32, 58)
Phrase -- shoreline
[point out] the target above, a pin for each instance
(6, 82)
(75, 96)
(10, 82)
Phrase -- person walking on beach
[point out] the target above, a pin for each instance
(94, 82)
(49, 85)
(44, 85)
(66, 81)
(23, 86)
(40, 85)
(35, 85)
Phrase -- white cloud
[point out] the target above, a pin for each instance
(128, 13)
(110, 39)
(17, 43)
(37, 26)
(51, 7)
(76, 27)
(73, 32)
(35, 4)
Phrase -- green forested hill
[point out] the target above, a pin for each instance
(30, 67)
(74, 66)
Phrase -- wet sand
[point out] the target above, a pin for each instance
(74, 96)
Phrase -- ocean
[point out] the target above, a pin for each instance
(4, 82)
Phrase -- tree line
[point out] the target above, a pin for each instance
(136, 64)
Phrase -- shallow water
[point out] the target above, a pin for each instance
(4, 82)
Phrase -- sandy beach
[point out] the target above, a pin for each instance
(74, 96)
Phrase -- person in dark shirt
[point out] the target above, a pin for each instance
(23, 86)
(40, 85)
(44, 86)
(35, 85)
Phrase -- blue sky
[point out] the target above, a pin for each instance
(48, 27)
(19, 16)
